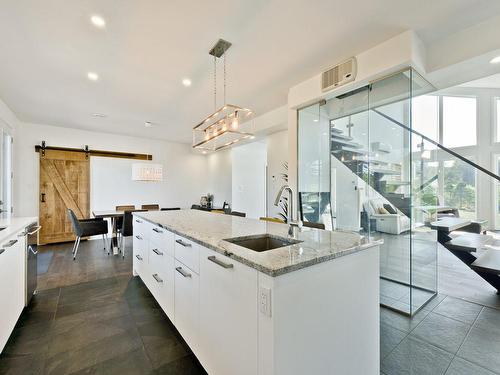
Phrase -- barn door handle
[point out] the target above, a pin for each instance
(42, 197)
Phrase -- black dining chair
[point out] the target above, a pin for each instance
(236, 213)
(86, 228)
(127, 228)
(170, 208)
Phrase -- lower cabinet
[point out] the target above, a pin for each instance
(12, 286)
(187, 304)
(210, 298)
(161, 273)
(228, 315)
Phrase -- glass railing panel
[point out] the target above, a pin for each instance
(389, 204)
(313, 166)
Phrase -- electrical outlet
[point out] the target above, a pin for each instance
(265, 301)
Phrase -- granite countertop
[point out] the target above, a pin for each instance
(13, 225)
(210, 229)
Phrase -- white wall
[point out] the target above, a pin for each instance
(186, 175)
(249, 179)
(219, 170)
(277, 155)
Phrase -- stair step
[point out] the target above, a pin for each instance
(468, 242)
(385, 171)
(449, 224)
(336, 136)
(347, 143)
(349, 150)
(488, 261)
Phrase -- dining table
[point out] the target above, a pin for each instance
(112, 215)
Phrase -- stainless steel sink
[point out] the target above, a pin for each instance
(262, 242)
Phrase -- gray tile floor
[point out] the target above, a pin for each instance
(92, 317)
(452, 337)
(108, 325)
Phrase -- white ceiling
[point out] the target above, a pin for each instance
(490, 82)
(148, 47)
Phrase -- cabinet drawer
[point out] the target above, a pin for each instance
(187, 252)
(162, 239)
(140, 226)
(162, 278)
(186, 303)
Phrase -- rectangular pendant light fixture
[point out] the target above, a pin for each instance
(224, 127)
(228, 124)
(147, 172)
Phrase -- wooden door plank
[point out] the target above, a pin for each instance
(61, 187)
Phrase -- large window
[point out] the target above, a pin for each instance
(459, 187)
(497, 117)
(425, 119)
(459, 121)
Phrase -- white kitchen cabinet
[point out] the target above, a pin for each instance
(140, 253)
(161, 274)
(12, 287)
(228, 315)
(187, 303)
(162, 239)
(187, 252)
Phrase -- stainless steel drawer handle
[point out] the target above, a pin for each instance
(138, 237)
(157, 230)
(10, 243)
(181, 242)
(138, 257)
(138, 221)
(157, 252)
(182, 272)
(212, 258)
(157, 278)
(2, 251)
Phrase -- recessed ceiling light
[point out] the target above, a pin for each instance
(315, 120)
(186, 82)
(99, 115)
(92, 76)
(98, 21)
(495, 60)
(204, 152)
(148, 124)
(252, 137)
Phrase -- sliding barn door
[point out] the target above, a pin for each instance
(64, 183)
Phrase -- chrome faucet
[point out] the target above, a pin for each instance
(289, 212)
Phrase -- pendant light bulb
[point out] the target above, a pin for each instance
(234, 122)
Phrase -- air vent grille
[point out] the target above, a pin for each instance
(339, 75)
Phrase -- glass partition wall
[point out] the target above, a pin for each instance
(362, 168)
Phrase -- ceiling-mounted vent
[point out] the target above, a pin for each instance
(339, 75)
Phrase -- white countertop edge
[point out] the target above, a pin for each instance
(14, 225)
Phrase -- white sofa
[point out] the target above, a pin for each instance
(387, 223)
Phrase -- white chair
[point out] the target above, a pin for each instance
(387, 223)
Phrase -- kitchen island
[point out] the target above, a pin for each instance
(308, 306)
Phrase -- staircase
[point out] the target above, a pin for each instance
(384, 177)
(486, 258)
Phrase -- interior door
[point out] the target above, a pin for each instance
(64, 183)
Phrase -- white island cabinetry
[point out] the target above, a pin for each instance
(12, 262)
(241, 318)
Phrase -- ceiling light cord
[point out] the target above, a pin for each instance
(225, 79)
(215, 83)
